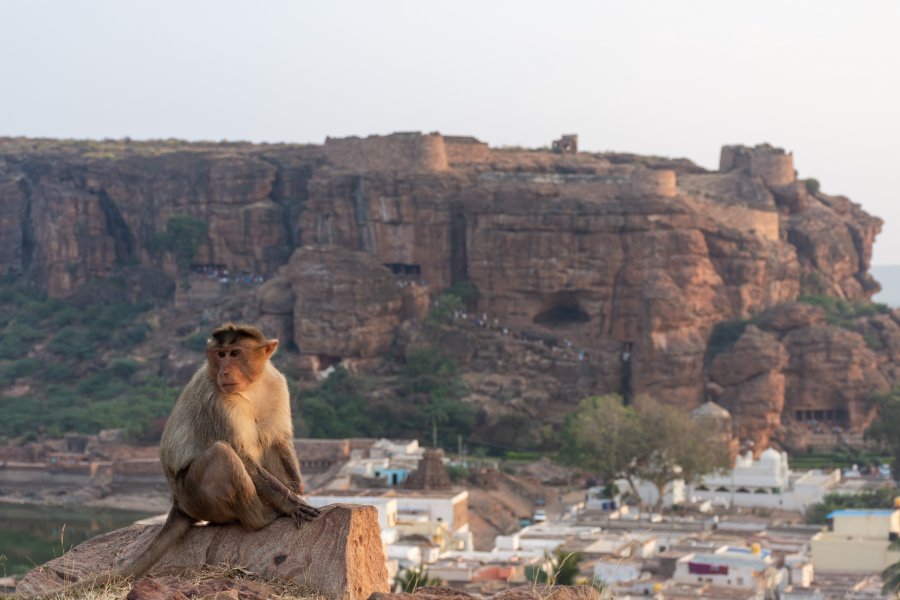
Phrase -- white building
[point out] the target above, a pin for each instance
(673, 493)
(857, 540)
(624, 544)
(613, 571)
(743, 568)
(386, 505)
(765, 483)
(439, 516)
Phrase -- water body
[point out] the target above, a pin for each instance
(31, 535)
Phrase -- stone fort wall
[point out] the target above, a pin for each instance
(464, 150)
(627, 183)
(410, 151)
(773, 165)
(762, 223)
(653, 182)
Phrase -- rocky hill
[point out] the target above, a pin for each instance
(588, 273)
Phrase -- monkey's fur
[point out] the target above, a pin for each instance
(227, 448)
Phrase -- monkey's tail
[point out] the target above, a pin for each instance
(176, 525)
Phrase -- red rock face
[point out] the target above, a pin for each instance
(614, 255)
(795, 371)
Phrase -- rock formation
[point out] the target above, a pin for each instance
(531, 592)
(339, 555)
(629, 262)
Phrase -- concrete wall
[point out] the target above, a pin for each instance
(454, 511)
(831, 552)
(396, 152)
(874, 525)
(783, 501)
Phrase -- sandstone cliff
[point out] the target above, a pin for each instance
(608, 272)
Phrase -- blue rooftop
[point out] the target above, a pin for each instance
(861, 512)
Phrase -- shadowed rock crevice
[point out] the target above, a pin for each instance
(561, 310)
(117, 229)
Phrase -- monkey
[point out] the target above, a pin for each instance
(227, 448)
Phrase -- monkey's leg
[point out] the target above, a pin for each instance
(218, 489)
(274, 493)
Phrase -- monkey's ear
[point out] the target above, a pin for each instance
(270, 347)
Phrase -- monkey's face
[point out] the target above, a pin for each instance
(236, 366)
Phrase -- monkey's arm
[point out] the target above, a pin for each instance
(288, 457)
(276, 493)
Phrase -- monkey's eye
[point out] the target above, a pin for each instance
(220, 354)
(235, 353)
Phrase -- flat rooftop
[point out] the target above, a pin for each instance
(387, 493)
(861, 512)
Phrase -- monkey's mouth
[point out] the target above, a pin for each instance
(230, 388)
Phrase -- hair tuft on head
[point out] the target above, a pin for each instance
(230, 333)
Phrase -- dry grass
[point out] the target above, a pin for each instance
(115, 149)
(277, 589)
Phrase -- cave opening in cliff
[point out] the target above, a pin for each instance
(560, 310)
(405, 271)
(326, 361)
(827, 416)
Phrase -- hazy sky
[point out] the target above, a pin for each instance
(819, 78)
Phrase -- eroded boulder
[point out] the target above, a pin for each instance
(339, 555)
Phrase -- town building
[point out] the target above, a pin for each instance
(766, 482)
(730, 567)
(857, 540)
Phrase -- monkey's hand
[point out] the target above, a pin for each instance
(302, 511)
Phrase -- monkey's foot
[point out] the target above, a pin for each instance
(304, 512)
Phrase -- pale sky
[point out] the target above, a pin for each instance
(819, 78)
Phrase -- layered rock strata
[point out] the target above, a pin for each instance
(630, 260)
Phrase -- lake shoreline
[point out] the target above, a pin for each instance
(33, 532)
(149, 503)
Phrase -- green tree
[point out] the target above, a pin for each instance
(878, 498)
(183, 237)
(430, 383)
(675, 445)
(444, 308)
(649, 441)
(812, 185)
(602, 436)
(337, 409)
(886, 428)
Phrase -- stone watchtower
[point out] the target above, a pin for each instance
(431, 474)
(567, 144)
